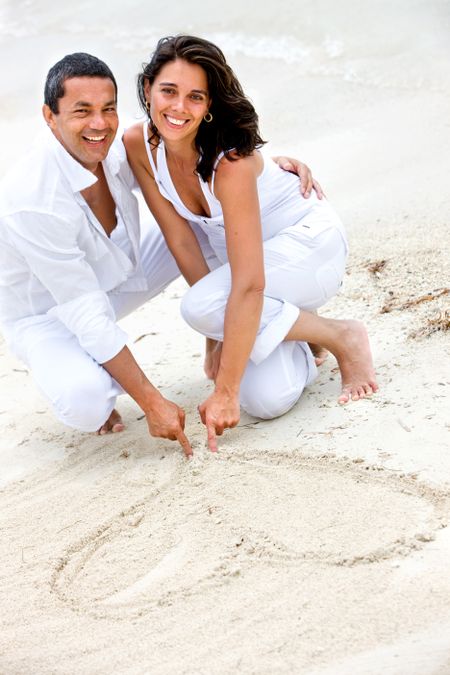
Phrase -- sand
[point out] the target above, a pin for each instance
(317, 543)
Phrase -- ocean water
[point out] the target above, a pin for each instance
(329, 80)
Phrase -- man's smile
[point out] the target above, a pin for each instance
(95, 139)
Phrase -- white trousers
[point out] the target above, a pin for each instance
(83, 394)
(80, 391)
(302, 272)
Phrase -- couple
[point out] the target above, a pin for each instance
(260, 257)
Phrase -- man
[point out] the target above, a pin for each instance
(73, 260)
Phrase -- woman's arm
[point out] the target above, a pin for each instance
(177, 232)
(235, 187)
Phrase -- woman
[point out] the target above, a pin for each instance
(276, 258)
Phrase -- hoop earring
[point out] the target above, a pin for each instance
(208, 117)
(147, 107)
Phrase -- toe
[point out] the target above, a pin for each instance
(344, 397)
(117, 427)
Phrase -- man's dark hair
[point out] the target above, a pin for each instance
(73, 65)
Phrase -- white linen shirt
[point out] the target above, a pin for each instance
(56, 260)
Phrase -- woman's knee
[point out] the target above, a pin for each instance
(268, 405)
(271, 388)
(203, 310)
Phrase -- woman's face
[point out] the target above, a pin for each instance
(179, 99)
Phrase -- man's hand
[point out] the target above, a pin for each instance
(307, 182)
(219, 411)
(166, 420)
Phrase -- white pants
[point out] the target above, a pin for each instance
(83, 394)
(80, 391)
(301, 272)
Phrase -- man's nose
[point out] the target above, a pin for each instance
(98, 121)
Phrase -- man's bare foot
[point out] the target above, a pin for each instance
(113, 423)
(320, 353)
(355, 363)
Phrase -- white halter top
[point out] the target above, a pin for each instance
(281, 203)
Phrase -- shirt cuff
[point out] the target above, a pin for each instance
(274, 332)
(91, 318)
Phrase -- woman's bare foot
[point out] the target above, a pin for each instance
(113, 423)
(348, 341)
(355, 362)
(320, 353)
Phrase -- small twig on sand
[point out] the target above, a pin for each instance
(441, 322)
(432, 295)
(141, 337)
(376, 267)
(67, 526)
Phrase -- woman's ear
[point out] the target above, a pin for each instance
(147, 89)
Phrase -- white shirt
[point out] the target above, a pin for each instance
(55, 257)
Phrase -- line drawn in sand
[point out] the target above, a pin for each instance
(193, 535)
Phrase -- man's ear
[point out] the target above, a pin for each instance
(49, 116)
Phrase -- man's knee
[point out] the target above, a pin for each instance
(84, 405)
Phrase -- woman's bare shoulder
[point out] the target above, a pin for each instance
(232, 164)
(133, 137)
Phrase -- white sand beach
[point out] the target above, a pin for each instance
(316, 543)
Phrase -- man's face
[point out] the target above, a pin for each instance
(87, 121)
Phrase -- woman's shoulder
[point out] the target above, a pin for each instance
(133, 137)
(235, 173)
(230, 163)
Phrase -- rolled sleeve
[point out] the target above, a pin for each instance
(91, 318)
(58, 254)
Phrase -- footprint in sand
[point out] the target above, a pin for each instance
(290, 510)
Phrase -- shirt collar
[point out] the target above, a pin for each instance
(78, 177)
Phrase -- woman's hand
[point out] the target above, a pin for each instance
(212, 358)
(307, 182)
(220, 411)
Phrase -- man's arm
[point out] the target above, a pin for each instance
(49, 247)
(164, 418)
(307, 182)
